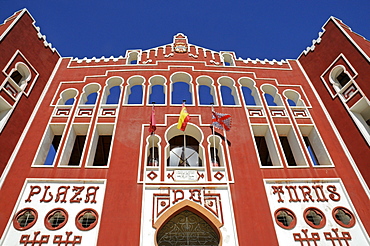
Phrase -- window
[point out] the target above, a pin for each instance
(206, 92)
(134, 90)
(112, 90)
(90, 94)
(344, 217)
(265, 146)
(287, 151)
(181, 88)
(5, 109)
(250, 93)
(271, 95)
(290, 145)
(67, 97)
(205, 97)
(263, 151)
(216, 151)
(187, 228)
(136, 95)
(56, 219)
(339, 77)
(228, 91)
(314, 217)
(53, 150)
(227, 98)
(180, 93)
(70, 101)
(360, 113)
(50, 145)
(25, 219)
(74, 146)
(91, 98)
(17, 77)
(270, 100)
(152, 150)
(248, 98)
(343, 79)
(77, 150)
(86, 219)
(101, 145)
(314, 145)
(157, 90)
(228, 59)
(285, 218)
(293, 98)
(184, 155)
(133, 57)
(311, 150)
(20, 75)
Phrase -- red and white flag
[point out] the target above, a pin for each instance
(152, 126)
(221, 121)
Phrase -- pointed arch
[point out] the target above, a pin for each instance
(187, 205)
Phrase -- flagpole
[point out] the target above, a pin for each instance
(153, 133)
(214, 143)
(183, 101)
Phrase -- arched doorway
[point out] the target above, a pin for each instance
(187, 228)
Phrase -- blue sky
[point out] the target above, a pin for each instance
(253, 29)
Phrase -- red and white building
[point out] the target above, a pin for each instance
(79, 165)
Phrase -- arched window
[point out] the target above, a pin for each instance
(216, 151)
(187, 228)
(184, 150)
(339, 77)
(157, 90)
(90, 94)
(134, 90)
(293, 98)
(229, 93)
(152, 151)
(133, 57)
(248, 98)
(250, 92)
(228, 59)
(206, 92)
(21, 74)
(271, 95)
(184, 153)
(67, 97)
(112, 91)
(181, 88)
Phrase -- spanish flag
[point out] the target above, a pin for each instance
(183, 119)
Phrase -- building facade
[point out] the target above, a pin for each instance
(96, 157)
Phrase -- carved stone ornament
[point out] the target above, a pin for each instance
(181, 47)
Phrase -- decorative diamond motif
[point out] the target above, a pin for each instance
(219, 176)
(152, 175)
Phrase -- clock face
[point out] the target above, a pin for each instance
(181, 48)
